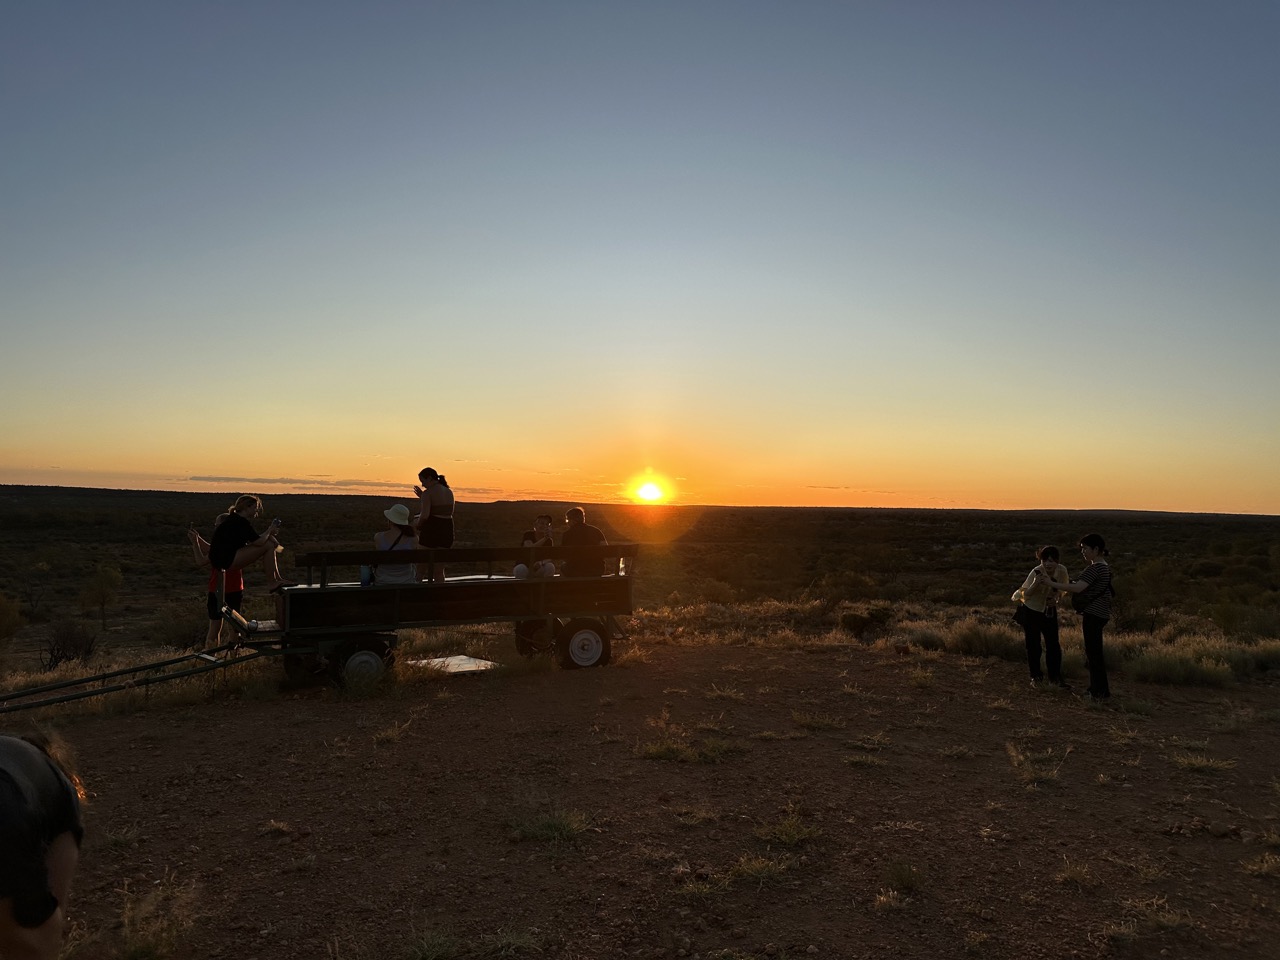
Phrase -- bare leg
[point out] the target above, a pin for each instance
(265, 552)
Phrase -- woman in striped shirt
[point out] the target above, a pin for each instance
(1095, 584)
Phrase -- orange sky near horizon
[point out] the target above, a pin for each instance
(792, 255)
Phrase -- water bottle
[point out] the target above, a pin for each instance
(366, 576)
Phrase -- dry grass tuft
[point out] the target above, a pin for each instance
(153, 921)
(725, 693)
(1200, 763)
(1035, 767)
(817, 721)
(790, 831)
(1076, 875)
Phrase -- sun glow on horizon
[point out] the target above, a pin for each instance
(649, 487)
(649, 492)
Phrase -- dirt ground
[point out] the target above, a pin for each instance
(699, 801)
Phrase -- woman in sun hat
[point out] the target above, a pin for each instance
(399, 535)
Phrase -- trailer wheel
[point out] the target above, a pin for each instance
(583, 643)
(362, 663)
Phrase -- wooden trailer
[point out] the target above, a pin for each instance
(346, 629)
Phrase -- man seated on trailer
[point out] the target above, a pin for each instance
(581, 534)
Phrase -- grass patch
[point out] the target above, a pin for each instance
(1267, 865)
(673, 750)
(696, 816)
(902, 878)
(433, 946)
(1076, 875)
(872, 743)
(556, 827)
(921, 678)
(775, 735)
(1200, 763)
(790, 831)
(864, 760)
(725, 693)
(1035, 767)
(756, 870)
(817, 721)
(153, 920)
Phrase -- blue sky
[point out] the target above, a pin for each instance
(776, 253)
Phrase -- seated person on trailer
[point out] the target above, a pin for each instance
(539, 536)
(399, 535)
(579, 533)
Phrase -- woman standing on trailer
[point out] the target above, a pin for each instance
(435, 521)
(232, 587)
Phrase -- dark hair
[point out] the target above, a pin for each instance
(1094, 541)
(543, 516)
(429, 473)
(578, 511)
(1047, 553)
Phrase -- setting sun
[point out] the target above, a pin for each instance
(650, 487)
(649, 492)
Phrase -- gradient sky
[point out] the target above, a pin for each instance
(1011, 255)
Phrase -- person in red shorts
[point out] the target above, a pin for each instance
(233, 587)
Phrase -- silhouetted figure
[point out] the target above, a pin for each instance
(435, 521)
(1092, 594)
(399, 535)
(235, 544)
(539, 536)
(232, 587)
(581, 534)
(1039, 616)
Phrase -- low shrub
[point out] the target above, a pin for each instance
(1177, 667)
(977, 638)
(69, 641)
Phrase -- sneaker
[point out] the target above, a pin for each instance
(1061, 684)
(1036, 681)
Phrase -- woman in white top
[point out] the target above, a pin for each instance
(1038, 597)
(399, 535)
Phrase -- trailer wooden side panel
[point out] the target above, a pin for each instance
(350, 606)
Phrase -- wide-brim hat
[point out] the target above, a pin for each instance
(399, 515)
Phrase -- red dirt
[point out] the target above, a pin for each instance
(304, 837)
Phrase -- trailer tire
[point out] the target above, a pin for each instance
(583, 643)
(362, 663)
